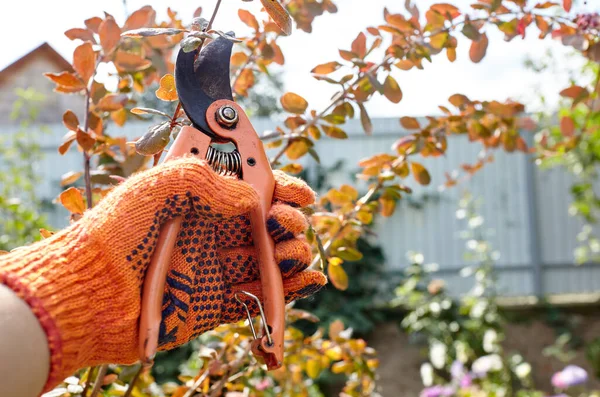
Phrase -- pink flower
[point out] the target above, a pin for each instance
(263, 384)
(572, 375)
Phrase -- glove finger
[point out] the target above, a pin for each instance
(300, 286)
(189, 183)
(241, 266)
(285, 222)
(291, 190)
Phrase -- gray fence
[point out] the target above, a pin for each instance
(525, 208)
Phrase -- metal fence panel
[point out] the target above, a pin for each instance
(536, 247)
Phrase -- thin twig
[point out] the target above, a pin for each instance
(196, 384)
(99, 380)
(88, 381)
(131, 385)
(281, 153)
(86, 125)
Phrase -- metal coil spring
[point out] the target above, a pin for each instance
(225, 163)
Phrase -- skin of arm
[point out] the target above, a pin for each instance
(24, 353)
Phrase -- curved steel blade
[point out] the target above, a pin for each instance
(210, 81)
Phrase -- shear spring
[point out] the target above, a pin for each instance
(225, 163)
(263, 318)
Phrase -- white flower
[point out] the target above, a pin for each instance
(490, 339)
(523, 370)
(486, 364)
(437, 355)
(427, 374)
(478, 309)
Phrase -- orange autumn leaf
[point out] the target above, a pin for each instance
(279, 15)
(81, 34)
(70, 120)
(420, 173)
(84, 61)
(130, 62)
(244, 81)
(326, 68)
(119, 117)
(85, 140)
(67, 80)
(248, 18)
(46, 233)
(72, 200)
(110, 35)
(478, 49)
(293, 103)
(167, 91)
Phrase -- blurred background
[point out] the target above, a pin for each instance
(485, 280)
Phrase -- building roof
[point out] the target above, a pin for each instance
(43, 50)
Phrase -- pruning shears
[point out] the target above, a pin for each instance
(204, 88)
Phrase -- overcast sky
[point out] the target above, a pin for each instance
(500, 75)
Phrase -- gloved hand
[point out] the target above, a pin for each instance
(84, 283)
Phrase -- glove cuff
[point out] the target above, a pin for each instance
(65, 282)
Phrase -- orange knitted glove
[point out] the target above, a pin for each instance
(84, 283)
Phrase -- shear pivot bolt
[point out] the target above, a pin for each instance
(227, 116)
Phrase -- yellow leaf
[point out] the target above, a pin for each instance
(313, 368)
(373, 364)
(420, 173)
(365, 217)
(167, 91)
(337, 274)
(279, 15)
(293, 103)
(334, 132)
(439, 40)
(334, 353)
(298, 148)
(292, 168)
(387, 206)
(72, 200)
(392, 90)
(119, 117)
(46, 233)
(350, 191)
(341, 367)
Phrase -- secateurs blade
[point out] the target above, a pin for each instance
(204, 89)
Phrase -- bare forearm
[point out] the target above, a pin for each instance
(24, 353)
